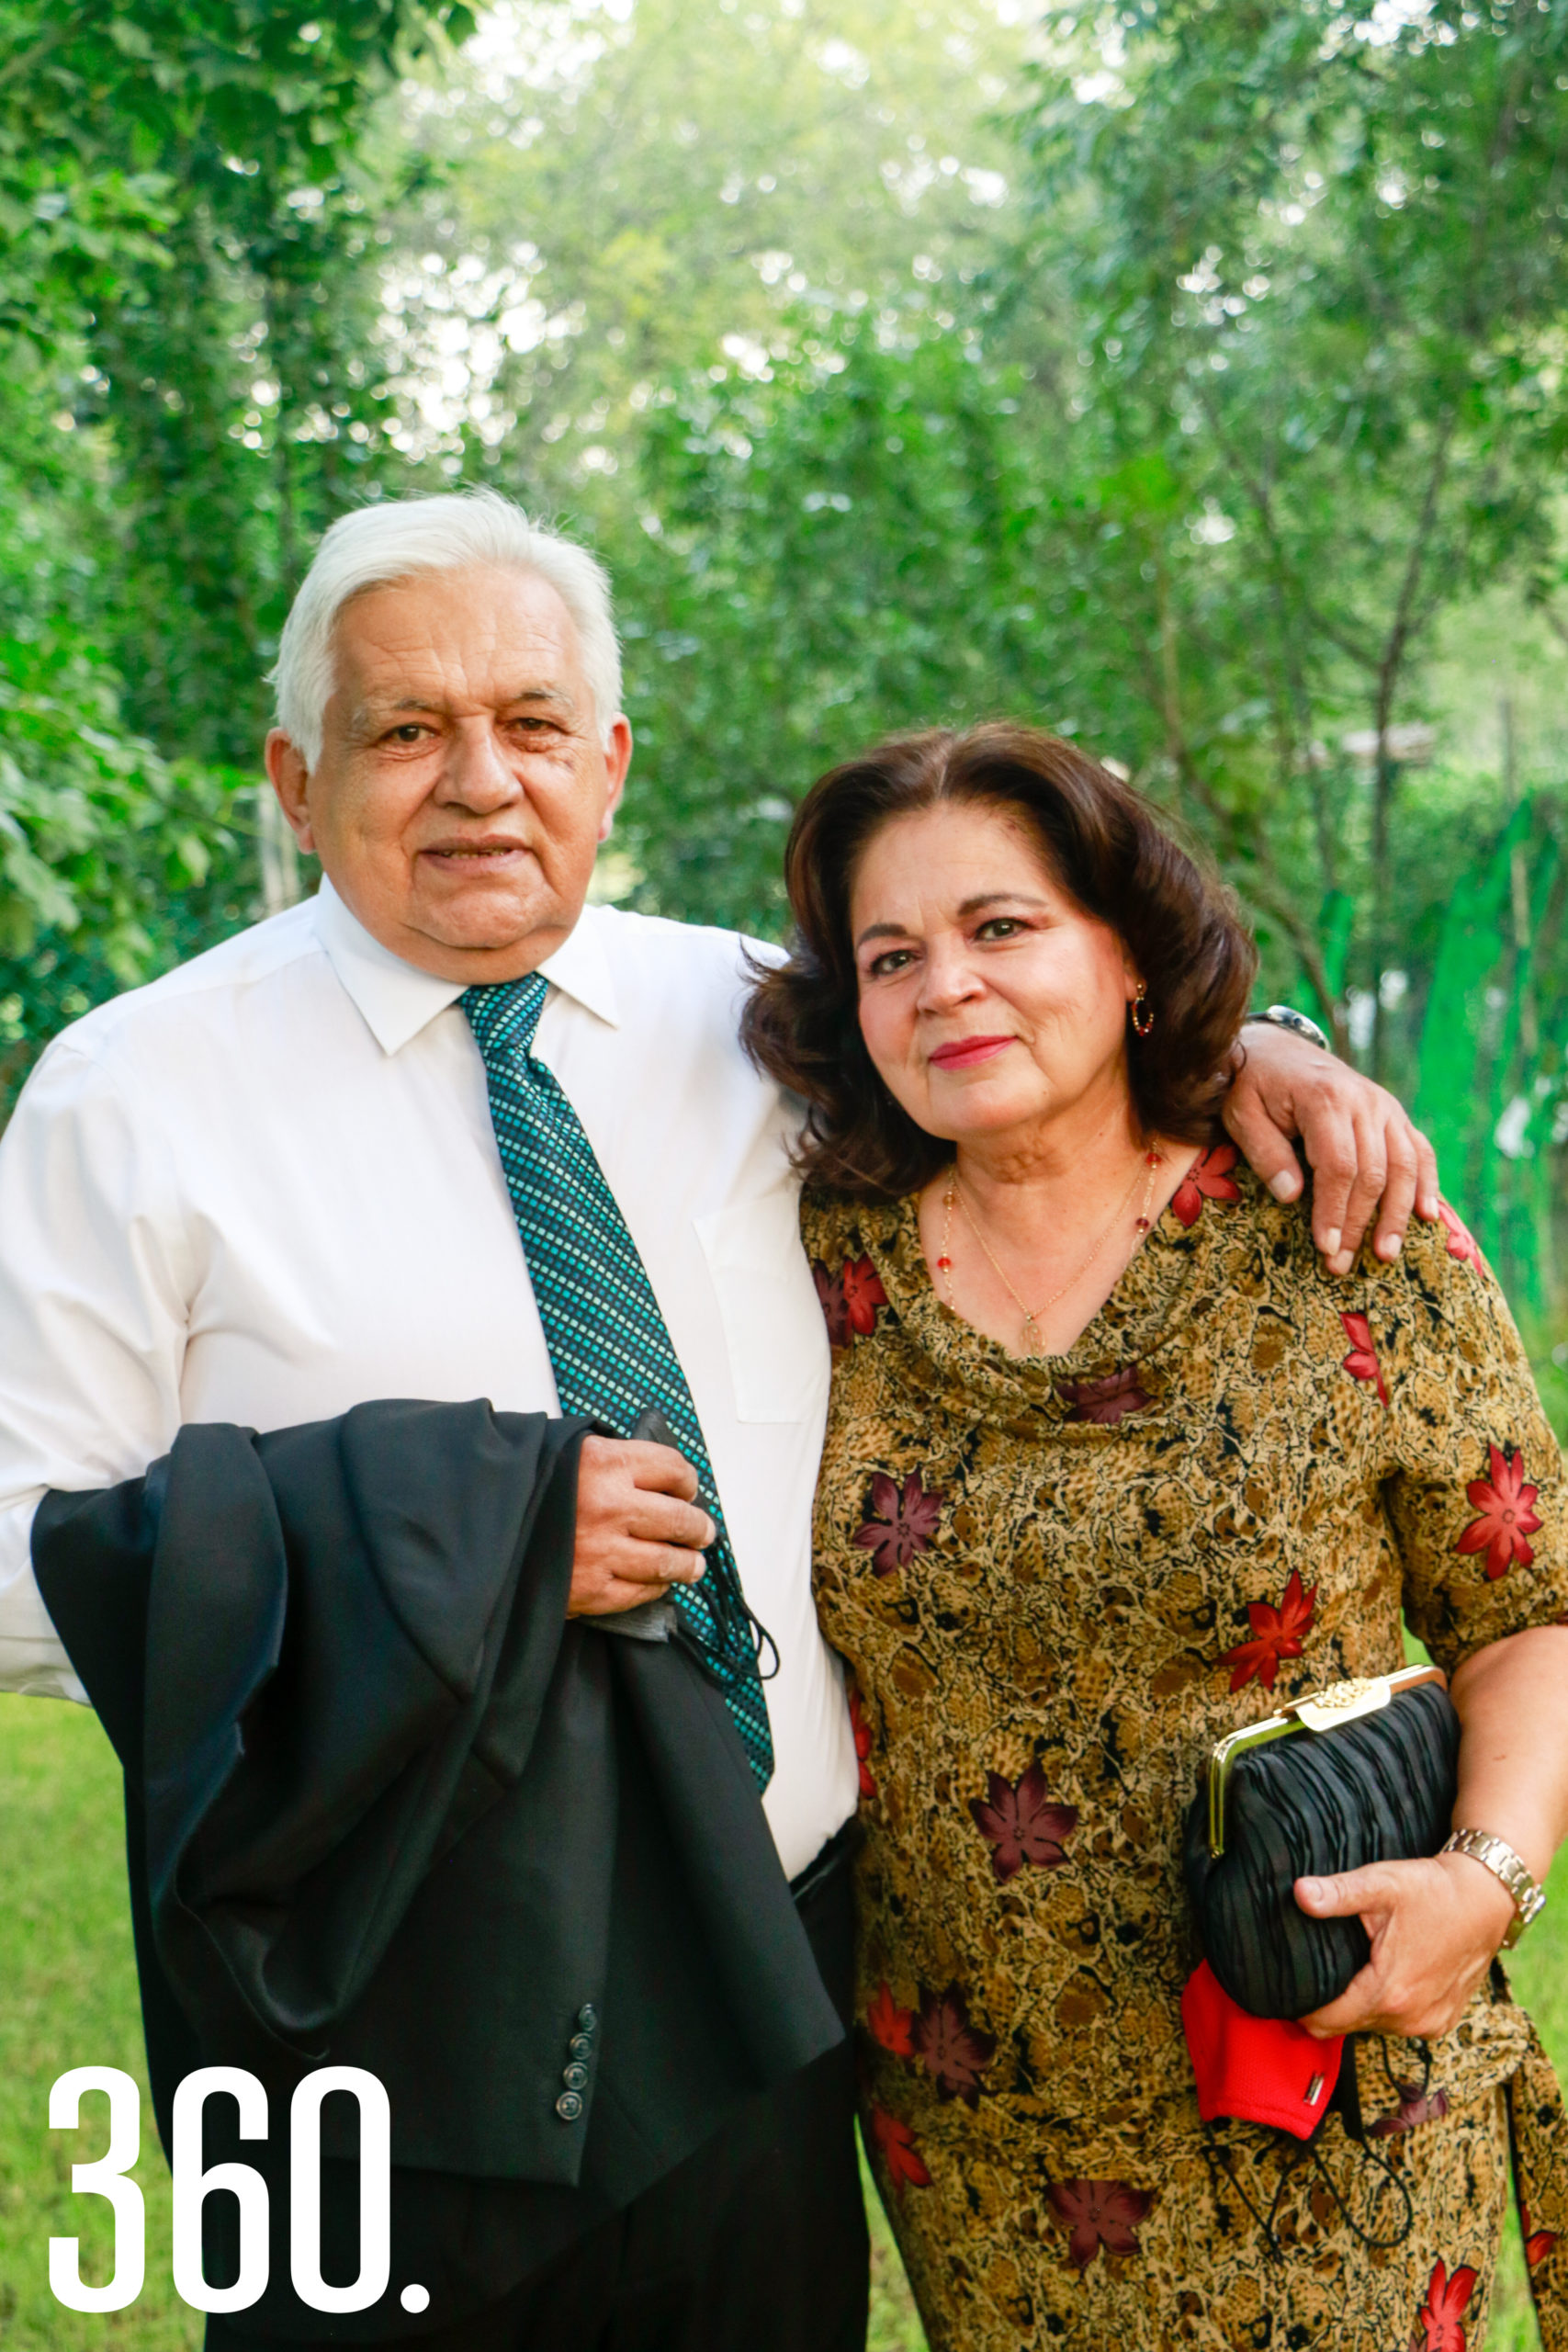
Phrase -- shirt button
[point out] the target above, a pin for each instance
(568, 2106)
(588, 2017)
(581, 2046)
(576, 2078)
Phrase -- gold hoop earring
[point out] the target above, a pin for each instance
(1143, 1012)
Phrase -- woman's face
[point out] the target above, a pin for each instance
(989, 1001)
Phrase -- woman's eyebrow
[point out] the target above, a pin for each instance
(998, 899)
(965, 907)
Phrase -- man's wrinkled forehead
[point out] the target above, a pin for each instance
(375, 711)
(432, 644)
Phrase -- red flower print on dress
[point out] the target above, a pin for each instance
(862, 1731)
(1461, 1241)
(849, 1299)
(953, 2051)
(863, 1294)
(1208, 1178)
(901, 1522)
(1507, 1517)
(1099, 2213)
(1439, 2315)
(1106, 1399)
(1416, 2106)
(1361, 1363)
(896, 2144)
(889, 2026)
(1537, 2242)
(1276, 1634)
(834, 1305)
(1019, 1824)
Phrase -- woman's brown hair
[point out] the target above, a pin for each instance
(1109, 848)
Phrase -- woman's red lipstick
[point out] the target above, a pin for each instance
(962, 1053)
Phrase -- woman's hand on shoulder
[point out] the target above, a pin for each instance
(1435, 1928)
(1365, 1153)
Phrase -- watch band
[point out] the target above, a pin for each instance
(1285, 1016)
(1500, 1858)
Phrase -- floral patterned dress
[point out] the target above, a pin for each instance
(1055, 1583)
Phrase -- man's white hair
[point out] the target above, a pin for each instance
(398, 538)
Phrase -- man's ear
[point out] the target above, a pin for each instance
(291, 781)
(617, 760)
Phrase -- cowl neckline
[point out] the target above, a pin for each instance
(1116, 1365)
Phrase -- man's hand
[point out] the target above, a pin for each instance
(1435, 1927)
(639, 1529)
(1359, 1143)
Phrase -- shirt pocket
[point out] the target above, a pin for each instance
(773, 1331)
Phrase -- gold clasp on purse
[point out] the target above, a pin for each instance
(1320, 1710)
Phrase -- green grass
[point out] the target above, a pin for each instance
(69, 1999)
(1539, 1973)
(895, 2325)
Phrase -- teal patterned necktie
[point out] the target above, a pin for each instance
(610, 1349)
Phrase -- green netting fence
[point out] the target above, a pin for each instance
(1490, 1060)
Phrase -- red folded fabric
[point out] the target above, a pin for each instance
(1260, 2070)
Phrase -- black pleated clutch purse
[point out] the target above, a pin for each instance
(1365, 1772)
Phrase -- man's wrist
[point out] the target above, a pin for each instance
(1285, 1016)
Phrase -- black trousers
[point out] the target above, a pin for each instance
(756, 2243)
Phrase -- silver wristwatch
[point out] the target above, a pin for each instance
(1500, 1858)
(1285, 1016)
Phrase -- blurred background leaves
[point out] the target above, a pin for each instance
(1187, 377)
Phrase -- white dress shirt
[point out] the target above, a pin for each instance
(265, 1189)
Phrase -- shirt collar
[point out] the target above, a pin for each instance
(398, 1000)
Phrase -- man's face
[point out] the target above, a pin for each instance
(463, 786)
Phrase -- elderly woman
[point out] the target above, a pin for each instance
(1113, 1465)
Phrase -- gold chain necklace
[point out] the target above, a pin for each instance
(1153, 1161)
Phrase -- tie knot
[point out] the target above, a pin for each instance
(504, 1015)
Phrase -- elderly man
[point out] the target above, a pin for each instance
(447, 1131)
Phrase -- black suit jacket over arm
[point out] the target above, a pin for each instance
(387, 1807)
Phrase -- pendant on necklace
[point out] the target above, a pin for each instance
(1151, 1161)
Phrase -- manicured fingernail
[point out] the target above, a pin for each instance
(712, 1535)
(1428, 1205)
(1389, 1246)
(1329, 1245)
(1309, 1890)
(1341, 1262)
(1286, 1185)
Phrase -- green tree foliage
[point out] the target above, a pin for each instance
(230, 357)
(110, 115)
(1317, 276)
(181, 232)
(113, 861)
(775, 622)
(625, 193)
